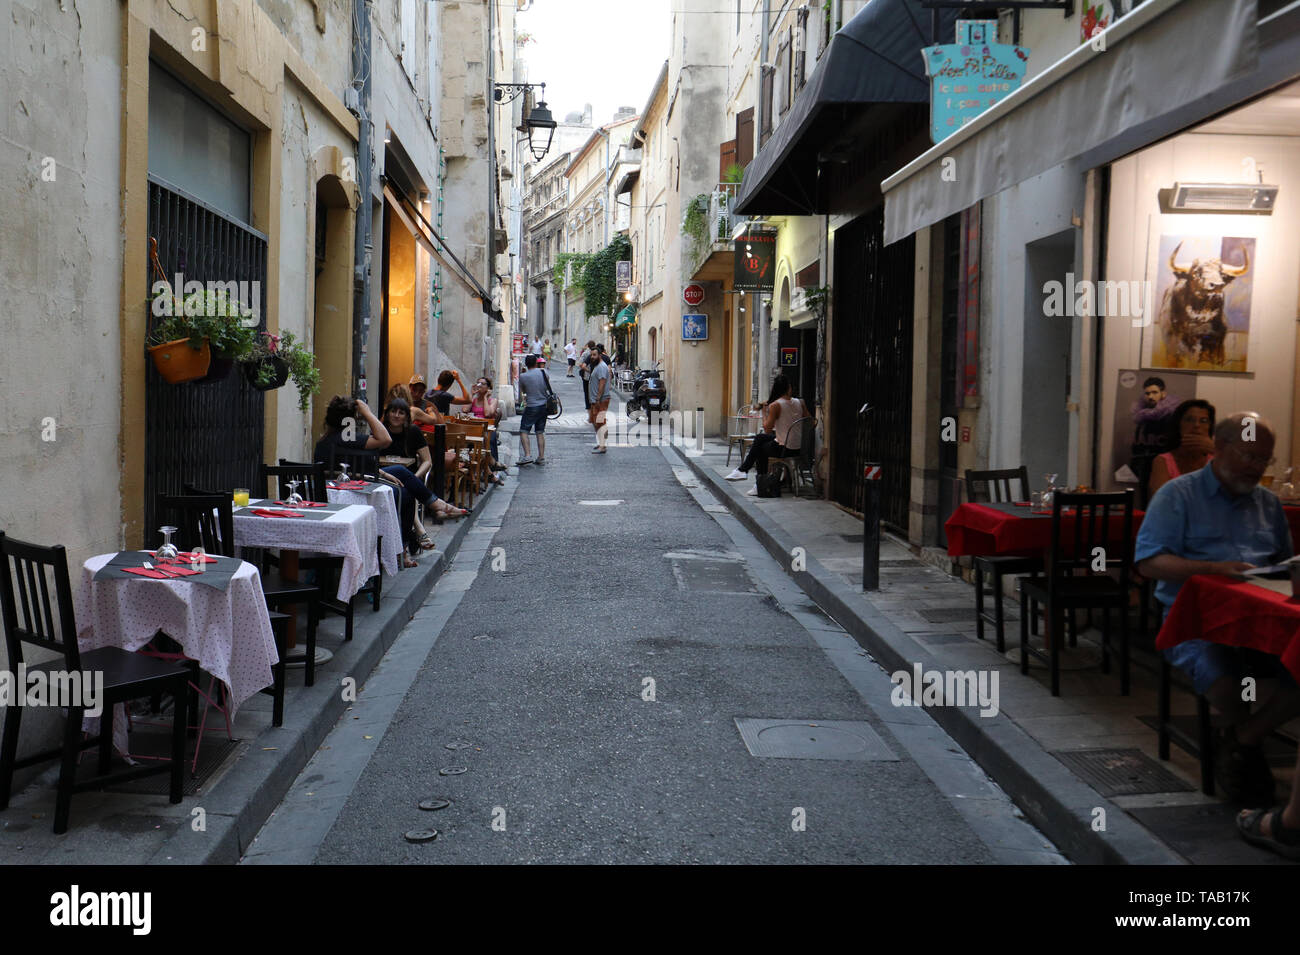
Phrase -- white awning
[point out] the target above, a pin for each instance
(1164, 66)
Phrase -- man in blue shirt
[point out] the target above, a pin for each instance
(1219, 521)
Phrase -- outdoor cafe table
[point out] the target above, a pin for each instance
(983, 530)
(379, 496)
(227, 631)
(1253, 613)
(343, 530)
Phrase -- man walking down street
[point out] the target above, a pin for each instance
(599, 386)
(532, 393)
(571, 353)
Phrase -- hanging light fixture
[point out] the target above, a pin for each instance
(538, 117)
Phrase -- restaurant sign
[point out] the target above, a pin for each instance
(754, 268)
(969, 76)
(623, 275)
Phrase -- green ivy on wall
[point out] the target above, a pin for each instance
(695, 223)
(561, 268)
(598, 280)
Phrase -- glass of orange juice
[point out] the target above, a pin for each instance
(241, 497)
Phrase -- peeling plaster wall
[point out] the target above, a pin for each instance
(60, 245)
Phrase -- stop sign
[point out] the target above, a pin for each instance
(693, 295)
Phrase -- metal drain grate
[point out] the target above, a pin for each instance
(212, 757)
(813, 739)
(1122, 772)
(947, 614)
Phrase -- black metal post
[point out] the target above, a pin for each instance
(871, 528)
(439, 452)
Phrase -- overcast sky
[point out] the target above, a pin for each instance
(603, 52)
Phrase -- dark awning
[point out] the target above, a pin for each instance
(626, 317)
(875, 58)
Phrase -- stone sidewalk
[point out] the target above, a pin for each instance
(922, 614)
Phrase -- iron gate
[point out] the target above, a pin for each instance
(208, 434)
(871, 361)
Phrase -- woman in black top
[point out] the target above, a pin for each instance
(406, 451)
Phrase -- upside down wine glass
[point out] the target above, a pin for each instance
(168, 550)
(294, 498)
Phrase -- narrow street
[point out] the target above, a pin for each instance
(617, 573)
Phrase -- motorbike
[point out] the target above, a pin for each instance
(649, 393)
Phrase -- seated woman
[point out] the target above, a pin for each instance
(780, 437)
(409, 453)
(424, 420)
(1191, 446)
(484, 405)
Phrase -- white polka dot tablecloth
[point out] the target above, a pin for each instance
(350, 533)
(228, 632)
(381, 501)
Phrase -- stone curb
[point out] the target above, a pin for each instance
(252, 789)
(1052, 797)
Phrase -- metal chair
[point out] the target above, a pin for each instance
(1071, 582)
(126, 676)
(987, 487)
(739, 430)
(798, 469)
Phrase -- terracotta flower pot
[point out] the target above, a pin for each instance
(177, 361)
(280, 366)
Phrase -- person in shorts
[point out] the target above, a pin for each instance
(532, 394)
(599, 384)
(571, 353)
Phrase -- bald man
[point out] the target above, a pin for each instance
(1218, 520)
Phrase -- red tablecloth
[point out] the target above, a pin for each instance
(1237, 613)
(983, 530)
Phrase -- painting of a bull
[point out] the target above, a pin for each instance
(1204, 319)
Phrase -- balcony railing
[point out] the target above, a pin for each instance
(721, 203)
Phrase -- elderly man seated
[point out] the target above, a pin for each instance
(1217, 520)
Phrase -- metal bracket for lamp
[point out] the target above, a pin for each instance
(539, 117)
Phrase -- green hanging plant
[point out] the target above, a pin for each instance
(695, 223)
(817, 298)
(599, 284)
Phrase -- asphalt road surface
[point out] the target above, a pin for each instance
(588, 656)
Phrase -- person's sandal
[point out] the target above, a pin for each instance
(425, 543)
(1285, 842)
(408, 561)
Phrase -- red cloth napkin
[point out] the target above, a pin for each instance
(156, 574)
(303, 504)
(189, 558)
(265, 512)
(146, 572)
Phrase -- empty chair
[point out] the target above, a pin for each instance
(33, 616)
(1004, 487)
(1101, 533)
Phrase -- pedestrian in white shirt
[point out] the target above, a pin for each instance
(571, 353)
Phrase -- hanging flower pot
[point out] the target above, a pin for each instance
(267, 374)
(178, 361)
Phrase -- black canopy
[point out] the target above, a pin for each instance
(875, 58)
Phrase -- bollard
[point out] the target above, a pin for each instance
(439, 452)
(871, 528)
(699, 430)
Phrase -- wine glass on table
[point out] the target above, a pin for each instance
(167, 552)
(294, 499)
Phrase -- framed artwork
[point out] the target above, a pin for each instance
(1203, 296)
(695, 328)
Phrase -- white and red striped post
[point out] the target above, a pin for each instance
(873, 473)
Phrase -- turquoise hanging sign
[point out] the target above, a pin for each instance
(969, 76)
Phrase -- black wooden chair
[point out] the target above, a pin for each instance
(204, 519)
(326, 566)
(32, 617)
(279, 627)
(1102, 533)
(360, 463)
(988, 487)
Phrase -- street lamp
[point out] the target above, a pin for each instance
(538, 118)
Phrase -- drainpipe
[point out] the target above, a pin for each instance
(755, 332)
(365, 232)
(489, 364)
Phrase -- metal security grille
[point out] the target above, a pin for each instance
(871, 355)
(207, 434)
(949, 373)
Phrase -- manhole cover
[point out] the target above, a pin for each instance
(433, 805)
(948, 614)
(453, 771)
(421, 835)
(813, 739)
(699, 575)
(1122, 772)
